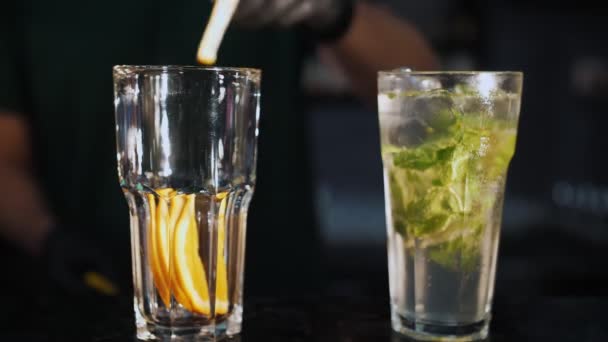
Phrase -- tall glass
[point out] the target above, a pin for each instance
(447, 140)
(187, 140)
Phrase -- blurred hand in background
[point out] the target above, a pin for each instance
(321, 16)
(358, 37)
(74, 264)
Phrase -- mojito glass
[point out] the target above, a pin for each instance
(447, 140)
(186, 142)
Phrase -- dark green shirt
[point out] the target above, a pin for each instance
(56, 61)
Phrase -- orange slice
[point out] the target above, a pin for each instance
(221, 289)
(190, 276)
(162, 236)
(222, 13)
(160, 231)
(174, 253)
(177, 206)
(158, 275)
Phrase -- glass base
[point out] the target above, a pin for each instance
(212, 332)
(425, 331)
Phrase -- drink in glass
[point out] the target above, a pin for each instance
(447, 140)
(186, 143)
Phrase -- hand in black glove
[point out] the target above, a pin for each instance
(325, 19)
(76, 265)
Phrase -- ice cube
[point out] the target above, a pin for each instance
(434, 110)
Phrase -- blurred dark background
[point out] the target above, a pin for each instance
(555, 230)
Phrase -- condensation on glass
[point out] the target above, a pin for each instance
(186, 150)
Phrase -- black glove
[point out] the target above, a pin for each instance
(324, 20)
(76, 265)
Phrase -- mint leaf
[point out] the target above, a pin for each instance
(459, 254)
(417, 159)
(397, 209)
(445, 154)
(423, 157)
(446, 185)
(431, 224)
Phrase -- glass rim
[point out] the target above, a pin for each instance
(405, 72)
(135, 69)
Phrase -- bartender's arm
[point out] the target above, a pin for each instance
(24, 217)
(361, 37)
(378, 40)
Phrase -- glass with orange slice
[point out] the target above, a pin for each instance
(186, 143)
